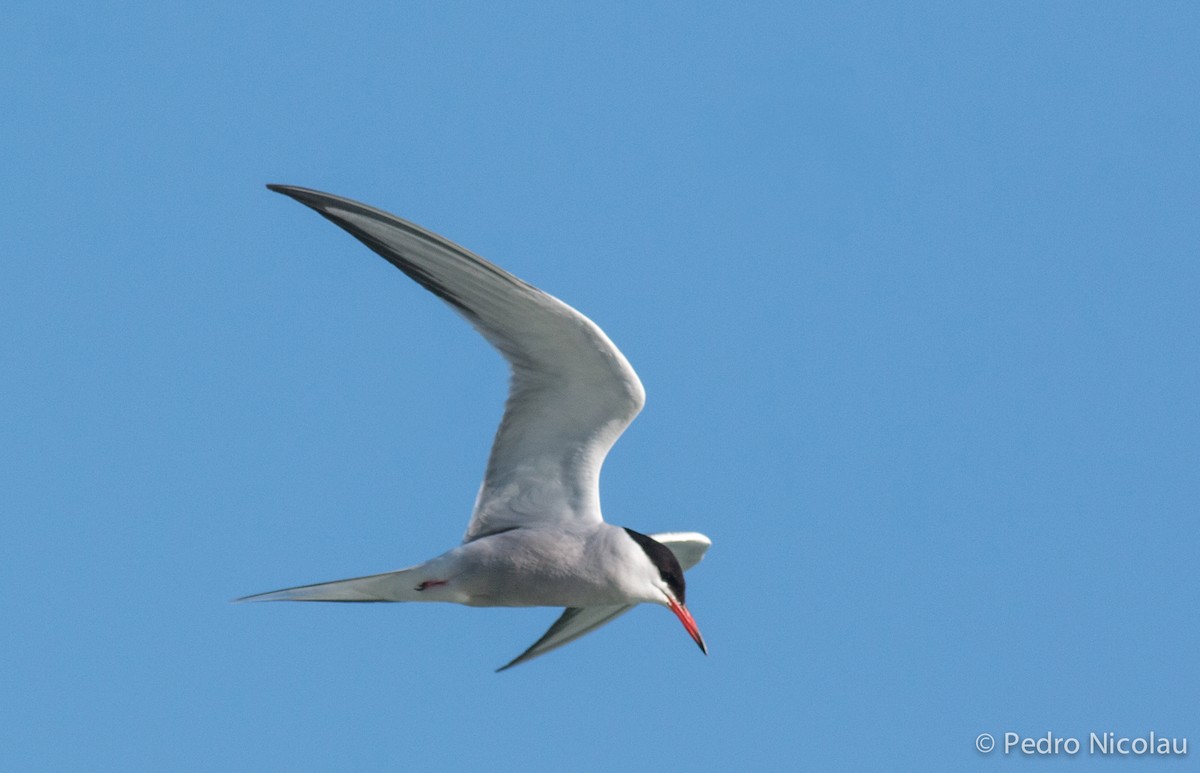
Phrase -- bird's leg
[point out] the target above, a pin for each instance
(431, 584)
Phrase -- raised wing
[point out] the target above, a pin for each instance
(571, 395)
(688, 547)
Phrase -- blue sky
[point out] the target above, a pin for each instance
(913, 292)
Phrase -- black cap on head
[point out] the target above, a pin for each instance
(666, 562)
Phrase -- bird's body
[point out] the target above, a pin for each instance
(526, 567)
(559, 567)
(536, 536)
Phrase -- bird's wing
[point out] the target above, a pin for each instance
(688, 547)
(572, 392)
(574, 622)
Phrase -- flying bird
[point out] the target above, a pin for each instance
(536, 536)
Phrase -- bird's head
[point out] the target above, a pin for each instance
(667, 579)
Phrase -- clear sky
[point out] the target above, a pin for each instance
(913, 290)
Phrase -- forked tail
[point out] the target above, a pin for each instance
(390, 586)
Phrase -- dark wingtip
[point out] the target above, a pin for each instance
(288, 190)
(310, 198)
(519, 659)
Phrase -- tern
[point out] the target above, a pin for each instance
(536, 536)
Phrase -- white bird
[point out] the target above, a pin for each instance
(536, 536)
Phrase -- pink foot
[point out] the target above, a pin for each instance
(430, 584)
